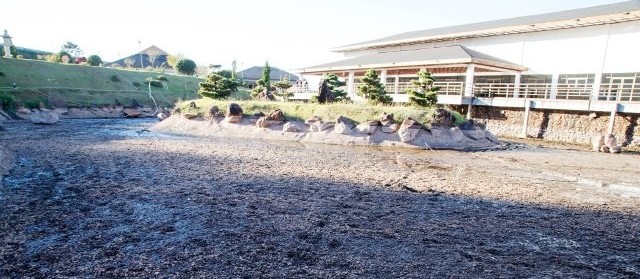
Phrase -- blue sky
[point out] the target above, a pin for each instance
(290, 34)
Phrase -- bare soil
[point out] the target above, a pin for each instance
(108, 199)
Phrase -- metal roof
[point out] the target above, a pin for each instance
(621, 8)
(418, 57)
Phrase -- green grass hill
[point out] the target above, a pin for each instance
(80, 85)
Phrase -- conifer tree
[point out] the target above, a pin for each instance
(282, 87)
(335, 84)
(216, 87)
(423, 93)
(372, 89)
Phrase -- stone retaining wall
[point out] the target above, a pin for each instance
(558, 125)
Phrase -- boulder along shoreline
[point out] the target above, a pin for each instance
(473, 139)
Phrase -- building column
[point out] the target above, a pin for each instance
(525, 121)
(554, 86)
(397, 84)
(516, 85)
(468, 82)
(383, 77)
(350, 90)
(612, 118)
(595, 91)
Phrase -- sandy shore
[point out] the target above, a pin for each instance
(106, 198)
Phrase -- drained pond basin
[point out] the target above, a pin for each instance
(110, 199)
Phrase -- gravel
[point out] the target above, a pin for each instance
(109, 199)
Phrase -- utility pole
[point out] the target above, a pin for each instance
(141, 61)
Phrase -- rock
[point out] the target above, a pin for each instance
(265, 96)
(390, 129)
(119, 109)
(162, 116)
(442, 118)
(597, 142)
(214, 111)
(386, 119)
(615, 149)
(471, 125)
(276, 115)
(366, 128)
(234, 110)
(233, 118)
(342, 128)
(407, 134)
(474, 134)
(262, 122)
(488, 135)
(610, 140)
(132, 113)
(47, 118)
(292, 127)
(258, 115)
(320, 126)
(456, 134)
(604, 149)
(25, 111)
(193, 105)
(312, 119)
(190, 113)
(350, 123)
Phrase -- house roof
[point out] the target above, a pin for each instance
(255, 73)
(419, 57)
(611, 13)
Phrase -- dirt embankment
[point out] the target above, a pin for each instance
(108, 198)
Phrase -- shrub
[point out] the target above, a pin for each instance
(423, 93)
(216, 87)
(115, 78)
(2, 74)
(60, 57)
(136, 84)
(162, 78)
(153, 82)
(7, 101)
(94, 60)
(186, 67)
(372, 89)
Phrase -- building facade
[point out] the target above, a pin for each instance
(584, 59)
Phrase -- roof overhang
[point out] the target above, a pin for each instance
(507, 30)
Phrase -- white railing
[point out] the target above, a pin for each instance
(494, 90)
(626, 92)
(573, 92)
(535, 90)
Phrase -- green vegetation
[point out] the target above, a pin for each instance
(114, 78)
(217, 87)
(424, 94)
(282, 87)
(186, 67)
(60, 57)
(72, 49)
(79, 85)
(334, 84)
(94, 60)
(153, 82)
(12, 49)
(328, 112)
(372, 89)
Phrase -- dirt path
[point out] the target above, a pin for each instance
(103, 198)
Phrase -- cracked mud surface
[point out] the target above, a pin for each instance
(104, 198)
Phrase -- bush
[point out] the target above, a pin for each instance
(60, 57)
(94, 60)
(153, 82)
(162, 78)
(2, 74)
(115, 78)
(7, 101)
(136, 84)
(186, 67)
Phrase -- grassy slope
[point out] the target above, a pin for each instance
(87, 86)
(328, 112)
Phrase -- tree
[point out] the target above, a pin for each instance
(186, 67)
(282, 87)
(423, 93)
(94, 60)
(216, 87)
(153, 55)
(266, 75)
(128, 62)
(72, 49)
(60, 57)
(372, 89)
(234, 70)
(173, 60)
(335, 84)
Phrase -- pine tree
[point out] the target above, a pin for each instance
(216, 87)
(266, 75)
(372, 89)
(423, 93)
(334, 84)
(234, 70)
(282, 87)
